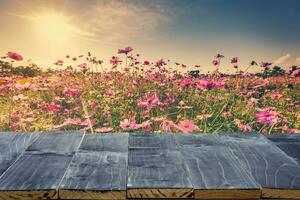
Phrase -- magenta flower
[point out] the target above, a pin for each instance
(205, 84)
(186, 126)
(267, 115)
(234, 60)
(129, 124)
(115, 61)
(53, 107)
(146, 62)
(216, 62)
(276, 95)
(125, 50)
(14, 56)
(160, 63)
(148, 101)
(72, 92)
(265, 64)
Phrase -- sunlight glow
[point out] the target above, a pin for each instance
(53, 28)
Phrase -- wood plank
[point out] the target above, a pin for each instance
(214, 171)
(275, 171)
(289, 143)
(12, 145)
(98, 170)
(34, 176)
(156, 168)
(59, 142)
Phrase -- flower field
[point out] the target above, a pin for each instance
(129, 94)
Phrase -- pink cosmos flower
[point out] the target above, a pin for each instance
(83, 67)
(110, 93)
(276, 95)
(53, 107)
(220, 84)
(146, 62)
(186, 126)
(125, 50)
(72, 92)
(252, 102)
(234, 60)
(167, 125)
(265, 64)
(160, 63)
(148, 101)
(216, 62)
(295, 73)
(267, 115)
(14, 56)
(115, 61)
(204, 84)
(129, 124)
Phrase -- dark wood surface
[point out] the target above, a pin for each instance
(270, 166)
(99, 168)
(155, 164)
(12, 145)
(213, 167)
(74, 165)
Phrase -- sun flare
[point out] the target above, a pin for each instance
(53, 28)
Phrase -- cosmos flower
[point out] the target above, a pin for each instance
(265, 64)
(125, 50)
(160, 63)
(129, 124)
(115, 61)
(72, 92)
(267, 116)
(148, 101)
(146, 62)
(53, 107)
(186, 126)
(276, 95)
(14, 56)
(234, 60)
(216, 62)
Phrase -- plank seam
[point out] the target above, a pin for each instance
(57, 189)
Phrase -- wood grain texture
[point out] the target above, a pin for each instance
(269, 165)
(213, 169)
(60, 142)
(227, 194)
(35, 172)
(28, 195)
(98, 170)
(12, 145)
(155, 167)
(289, 143)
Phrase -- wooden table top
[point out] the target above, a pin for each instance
(78, 165)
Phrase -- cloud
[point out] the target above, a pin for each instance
(282, 59)
(298, 60)
(116, 21)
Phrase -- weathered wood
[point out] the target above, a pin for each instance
(271, 167)
(60, 142)
(41, 167)
(156, 168)
(289, 143)
(98, 170)
(34, 174)
(214, 171)
(12, 145)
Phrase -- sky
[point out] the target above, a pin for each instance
(185, 31)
